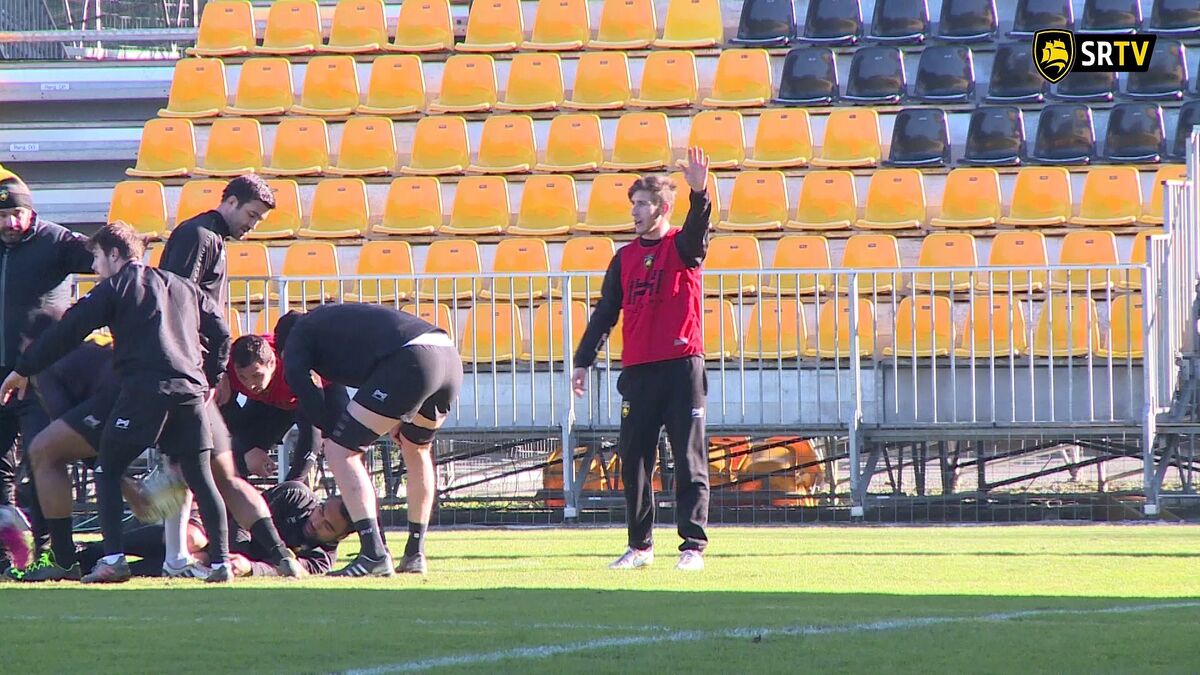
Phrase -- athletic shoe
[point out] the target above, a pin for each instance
(188, 570)
(633, 558)
(412, 564)
(45, 569)
(365, 566)
(290, 567)
(690, 561)
(104, 573)
(219, 575)
(10, 572)
(16, 536)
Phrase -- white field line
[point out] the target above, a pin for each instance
(547, 651)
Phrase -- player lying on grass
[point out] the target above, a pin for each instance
(408, 374)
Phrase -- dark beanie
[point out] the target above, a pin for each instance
(14, 194)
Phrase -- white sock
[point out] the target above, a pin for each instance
(217, 566)
(113, 559)
(175, 534)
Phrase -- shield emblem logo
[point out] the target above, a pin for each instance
(1054, 53)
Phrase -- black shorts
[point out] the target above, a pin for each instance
(417, 380)
(177, 423)
(87, 419)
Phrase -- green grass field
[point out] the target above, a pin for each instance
(802, 599)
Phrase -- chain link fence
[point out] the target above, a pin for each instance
(108, 15)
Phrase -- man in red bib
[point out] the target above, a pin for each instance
(655, 282)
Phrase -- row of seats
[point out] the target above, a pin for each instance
(760, 202)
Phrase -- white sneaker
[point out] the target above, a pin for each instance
(189, 570)
(632, 559)
(690, 561)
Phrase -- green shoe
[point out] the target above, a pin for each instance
(46, 569)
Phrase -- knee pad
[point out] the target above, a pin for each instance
(350, 433)
(415, 434)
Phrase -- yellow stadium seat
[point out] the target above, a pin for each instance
(743, 79)
(1126, 332)
(668, 81)
(459, 258)
(732, 252)
(330, 87)
(993, 327)
(798, 251)
(548, 344)
(851, 139)
(293, 27)
(535, 82)
(506, 145)
(385, 260)
(198, 196)
(720, 330)
(247, 259)
(1041, 197)
(339, 209)
(226, 29)
(1132, 280)
(776, 329)
(1016, 249)
(1068, 326)
(586, 254)
(924, 327)
(832, 339)
(1112, 197)
(1152, 211)
(284, 220)
(264, 88)
(872, 251)
(468, 85)
(437, 314)
(396, 87)
(84, 283)
(970, 198)
(439, 147)
(759, 202)
(480, 207)
(626, 24)
(548, 207)
(301, 148)
(311, 259)
(167, 149)
(692, 24)
(782, 140)
(895, 201)
(828, 201)
(234, 148)
(611, 350)
(1086, 248)
(358, 27)
(493, 26)
(265, 323)
(236, 323)
(560, 25)
(679, 209)
(492, 334)
(414, 207)
(719, 134)
(142, 204)
(424, 26)
(642, 143)
(197, 89)
(944, 249)
(368, 148)
(574, 143)
(601, 82)
(609, 209)
(519, 257)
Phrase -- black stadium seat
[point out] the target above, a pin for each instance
(876, 76)
(1167, 77)
(1189, 116)
(809, 77)
(1178, 17)
(920, 137)
(766, 23)
(899, 21)
(995, 136)
(945, 74)
(1091, 87)
(1015, 79)
(1035, 15)
(1065, 135)
(967, 21)
(832, 22)
(1135, 133)
(1111, 16)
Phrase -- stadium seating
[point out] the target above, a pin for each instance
(899, 22)
(832, 22)
(809, 77)
(995, 137)
(1035, 15)
(293, 27)
(283, 221)
(783, 140)
(1167, 76)
(732, 252)
(438, 314)
(1015, 79)
(626, 24)
(1189, 117)
(920, 137)
(765, 23)
(1112, 16)
(1091, 87)
(414, 207)
(944, 249)
(682, 204)
(1065, 135)
(798, 251)
(1152, 213)
(945, 74)
(492, 333)
(196, 197)
(368, 148)
(967, 21)
(1086, 248)
(358, 27)
(1112, 197)
(142, 204)
(776, 329)
(547, 340)
(1132, 280)
(535, 82)
(872, 251)
(396, 87)
(668, 81)
(518, 257)
(1125, 329)
(1042, 197)
(480, 207)
(560, 25)
(424, 26)
(608, 208)
(235, 322)
(1174, 16)
(339, 209)
(197, 89)
(720, 330)
(832, 339)
(311, 259)
(586, 254)
(719, 134)
(506, 145)
(1016, 249)
(876, 76)
(759, 202)
(330, 87)
(247, 259)
(970, 198)
(851, 139)
(439, 147)
(548, 207)
(167, 149)
(451, 257)
(493, 26)
(692, 24)
(234, 148)
(743, 79)
(301, 148)
(573, 143)
(264, 88)
(924, 327)
(601, 82)
(642, 143)
(828, 201)
(1068, 326)
(994, 327)
(895, 201)
(468, 84)
(1135, 134)
(226, 29)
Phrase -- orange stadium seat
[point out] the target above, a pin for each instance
(339, 209)
(872, 251)
(548, 207)
(493, 26)
(492, 333)
(439, 147)
(142, 204)
(1132, 280)
(560, 25)
(743, 79)
(301, 148)
(993, 327)
(720, 330)
(311, 259)
(234, 148)
(851, 139)
(668, 81)
(759, 202)
(506, 145)
(783, 140)
(1152, 211)
(895, 200)
(330, 87)
(574, 143)
(798, 251)
(197, 89)
(386, 260)
(264, 88)
(1112, 197)
(642, 143)
(924, 327)
(368, 148)
(535, 82)
(719, 134)
(468, 85)
(293, 27)
(777, 329)
(944, 249)
(396, 87)
(586, 254)
(1126, 332)
(679, 209)
(626, 24)
(1086, 248)
(692, 24)
(414, 207)
(732, 252)
(424, 26)
(970, 198)
(198, 196)
(1040, 198)
(226, 29)
(833, 337)
(1016, 249)
(247, 259)
(609, 209)
(358, 27)
(167, 150)
(284, 220)
(828, 201)
(548, 343)
(601, 82)
(438, 314)
(519, 257)
(480, 207)
(1068, 326)
(457, 257)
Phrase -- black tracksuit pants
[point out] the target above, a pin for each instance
(669, 394)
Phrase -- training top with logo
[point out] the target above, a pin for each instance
(196, 251)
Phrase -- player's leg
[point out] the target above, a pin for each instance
(641, 422)
(685, 429)
(187, 437)
(32, 419)
(50, 454)
(10, 519)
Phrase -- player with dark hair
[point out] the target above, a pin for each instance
(408, 374)
(155, 318)
(655, 282)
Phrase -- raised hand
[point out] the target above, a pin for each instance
(695, 172)
(14, 383)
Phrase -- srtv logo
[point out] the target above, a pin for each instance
(1058, 52)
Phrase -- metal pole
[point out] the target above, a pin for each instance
(853, 439)
(567, 422)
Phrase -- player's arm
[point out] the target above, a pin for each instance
(74, 256)
(608, 309)
(90, 312)
(297, 372)
(185, 254)
(692, 242)
(216, 334)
